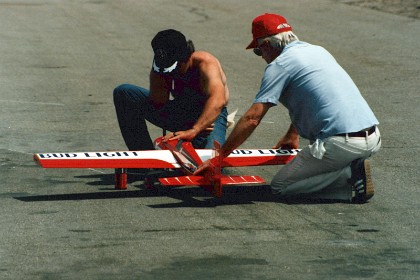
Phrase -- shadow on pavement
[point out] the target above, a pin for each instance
(188, 196)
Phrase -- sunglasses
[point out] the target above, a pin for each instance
(257, 51)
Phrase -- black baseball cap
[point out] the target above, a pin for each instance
(170, 47)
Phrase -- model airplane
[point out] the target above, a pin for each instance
(173, 154)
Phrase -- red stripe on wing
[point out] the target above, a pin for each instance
(233, 161)
(202, 181)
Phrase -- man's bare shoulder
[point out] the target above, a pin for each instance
(203, 57)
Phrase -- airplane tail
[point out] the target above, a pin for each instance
(184, 153)
(212, 180)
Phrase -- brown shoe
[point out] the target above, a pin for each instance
(361, 180)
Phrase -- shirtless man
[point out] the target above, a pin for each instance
(188, 96)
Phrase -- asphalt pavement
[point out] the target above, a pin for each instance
(59, 63)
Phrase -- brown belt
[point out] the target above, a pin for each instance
(361, 133)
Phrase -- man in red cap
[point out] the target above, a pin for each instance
(325, 107)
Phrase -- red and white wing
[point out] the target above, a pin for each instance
(116, 159)
(257, 157)
(159, 158)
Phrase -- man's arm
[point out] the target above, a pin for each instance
(159, 92)
(245, 126)
(290, 140)
(213, 84)
(242, 130)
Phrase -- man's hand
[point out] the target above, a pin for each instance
(205, 167)
(187, 135)
(210, 128)
(289, 141)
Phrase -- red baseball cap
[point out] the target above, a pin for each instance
(266, 25)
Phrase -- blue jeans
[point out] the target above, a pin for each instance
(133, 109)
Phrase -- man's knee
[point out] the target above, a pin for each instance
(125, 94)
(120, 91)
(277, 185)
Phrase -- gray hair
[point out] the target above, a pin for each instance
(280, 40)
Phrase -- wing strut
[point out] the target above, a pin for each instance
(216, 178)
(120, 178)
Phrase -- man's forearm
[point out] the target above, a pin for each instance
(245, 127)
(211, 111)
(240, 133)
(292, 132)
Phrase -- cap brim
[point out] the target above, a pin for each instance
(252, 45)
(164, 70)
